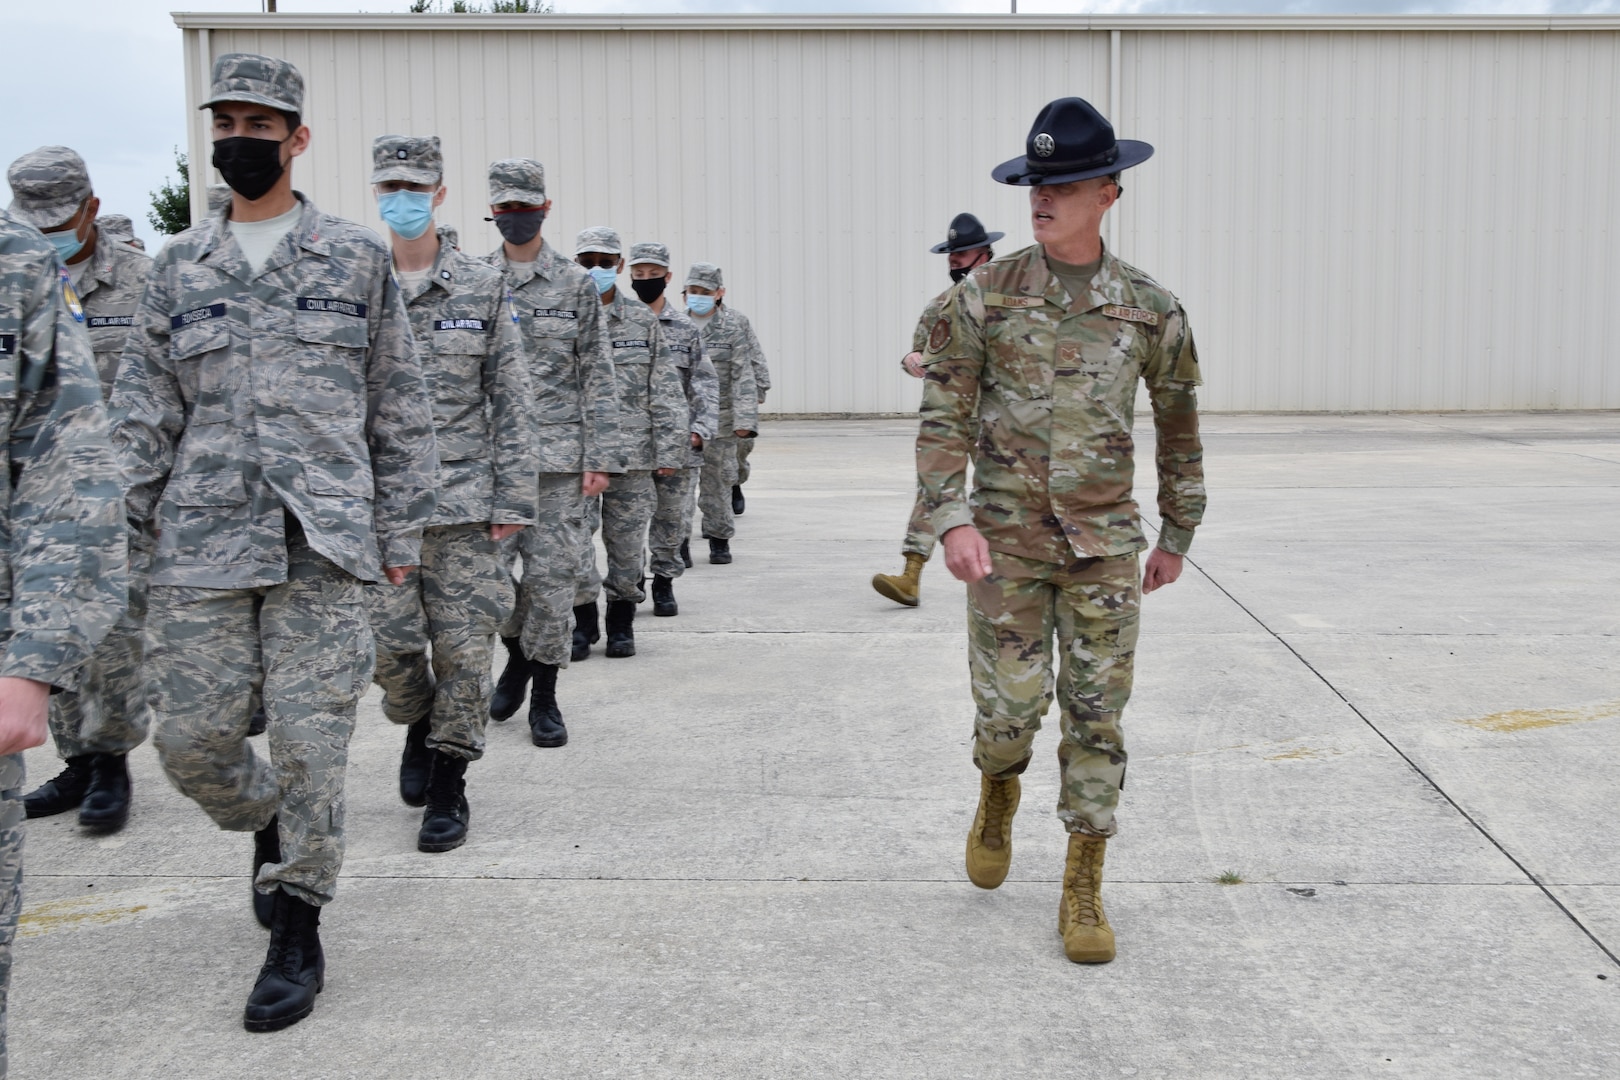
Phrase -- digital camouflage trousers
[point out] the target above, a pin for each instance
(623, 513)
(672, 522)
(543, 617)
(714, 487)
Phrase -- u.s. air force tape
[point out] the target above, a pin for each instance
(1131, 314)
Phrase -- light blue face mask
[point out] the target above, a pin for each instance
(408, 213)
(604, 276)
(699, 305)
(67, 243)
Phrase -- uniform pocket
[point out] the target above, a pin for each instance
(207, 489)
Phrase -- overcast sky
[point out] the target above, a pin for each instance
(104, 76)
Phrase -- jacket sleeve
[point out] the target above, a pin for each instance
(399, 431)
(756, 357)
(1172, 378)
(705, 394)
(69, 555)
(148, 414)
(599, 399)
(950, 403)
(671, 416)
(514, 430)
(744, 390)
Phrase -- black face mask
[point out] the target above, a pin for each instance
(518, 227)
(960, 272)
(250, 166)
(649, 289)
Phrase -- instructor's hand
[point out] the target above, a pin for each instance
(967, 554)
(1162, 569)
(593, 484)
(23, 705)
(913, 365)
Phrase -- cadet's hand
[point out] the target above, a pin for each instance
(396, 575)
(666, 472)
(593, 483)
(741, 433)
(913, 365)
(1162, 569)
(498, 533)
(761, 398)
(967, 554)
(697, 441)
(23, 706)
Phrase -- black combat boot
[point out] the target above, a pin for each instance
(63, 792)
(663, 594)
(686, 553)
(513, 683)
(719, 550)
(444, 822)
(106, 803)
(258, 722)
(738, 503)
(621, 632)
(415, 764)
(266, 849)
(587, 630)
(545, 719)
(294, 968)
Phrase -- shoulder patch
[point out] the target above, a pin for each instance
(1131, 314)
(999, 300)
(71, 298)
(939, 336)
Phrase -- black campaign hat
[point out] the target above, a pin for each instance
(1069, 141)
(966, 233)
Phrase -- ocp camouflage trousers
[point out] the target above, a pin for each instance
(307, 645)
(714, 487)
(108, 714)
(1091, 606)
(745, 448)
(623, 513)
(543, 617)
(11, 852)
(671, 522)
(919, 530)
(452, 606)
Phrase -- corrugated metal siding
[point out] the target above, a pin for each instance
(1356, 219)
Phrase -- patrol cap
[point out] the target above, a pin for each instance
(649, 252)
(965, 234)
(520, 180)
(1070, 140)
(116, 225)
(219, 197)
(598, 238)
(705, 276)
(415, 159)
(48, 186)
(258, 80)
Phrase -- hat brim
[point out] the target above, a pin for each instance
(597, 249)
(517, 195)
(950, 247)
(1016, 172)
(648, 262)
(406, 173)
(250, 98)
(46, 217)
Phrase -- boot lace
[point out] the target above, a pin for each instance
(996, 804)
(1080, 886)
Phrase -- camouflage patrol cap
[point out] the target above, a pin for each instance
(415, 159)
(598, 238)
(705, 276)
(219, 197)
(259, 80)
(521, 180)
(116, 225)
(649, 252)
(48, 186)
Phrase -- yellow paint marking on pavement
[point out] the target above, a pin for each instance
(1529, 719)
(79, 912)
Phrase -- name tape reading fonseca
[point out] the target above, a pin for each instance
(196, 315)
(339, 307)
(458, 324)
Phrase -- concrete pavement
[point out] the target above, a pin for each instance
(1384, 695)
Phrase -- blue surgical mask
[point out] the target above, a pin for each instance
(67, 243)
(408, 213)
(604, 276)
(700, 305)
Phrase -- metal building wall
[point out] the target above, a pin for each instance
(1359, 213)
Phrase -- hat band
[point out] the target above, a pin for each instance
(1047, 168)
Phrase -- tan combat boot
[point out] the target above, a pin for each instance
(989, 843)
(1087, 937)
(902, 589)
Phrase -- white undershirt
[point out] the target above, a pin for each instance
(412, 279)
(76, 271)
(258, 239)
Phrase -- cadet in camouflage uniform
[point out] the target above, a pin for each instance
(966, 246)
(560, 315)
(277, 437)
(745, 444)
(729, 342)
(483, 416)
(1031, 375)
(655, 434)
(672, 520)
(97, 726)
(62, 524)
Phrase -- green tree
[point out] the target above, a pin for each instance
(171, 203)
